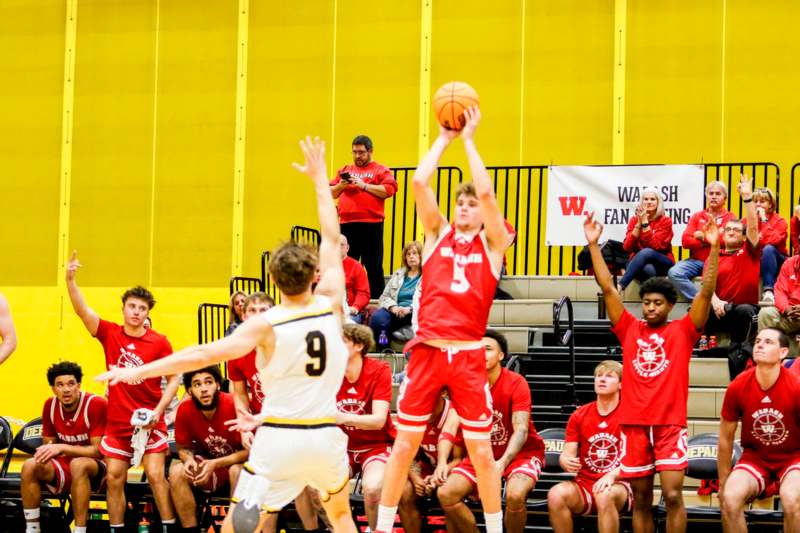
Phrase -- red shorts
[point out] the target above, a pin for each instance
(119, 446)
(649, 449)
(462, 372)
(62, 480)
(526, 464)
(359, 459)
(768, 475)
(220, 478)
(585, 486)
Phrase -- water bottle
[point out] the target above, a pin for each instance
(383, 340)
(712, 341)
(144, 527)
(703, 344)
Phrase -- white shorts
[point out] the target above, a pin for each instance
(283, 461)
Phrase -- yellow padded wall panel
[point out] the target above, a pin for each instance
(112, 152)
(194, 143)
(32, 55)
(673, 87)
(289, 96)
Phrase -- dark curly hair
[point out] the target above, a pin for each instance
(499, 338)
(659, 285)
(64, 368)
(213, 370)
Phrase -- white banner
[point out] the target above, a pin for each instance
(613, 193)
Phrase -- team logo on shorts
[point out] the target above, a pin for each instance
(129, 360)
(603, 455)
(651, 359)
(499, 433)
(768, 427)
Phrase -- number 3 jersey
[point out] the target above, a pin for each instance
(307, 364)
(599, 446)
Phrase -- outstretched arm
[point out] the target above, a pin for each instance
(614, 306)
(86, 314)
(331, 282)
(746, 192)
(427, 208)
(702, 302)
(7, 331)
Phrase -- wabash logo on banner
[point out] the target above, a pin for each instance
(613, 193)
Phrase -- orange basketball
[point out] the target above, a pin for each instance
(450, 101)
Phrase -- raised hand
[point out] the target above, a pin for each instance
(472, 116)
(73, 265)
(711, 232)
(244, 421)
(314, 153)
(592, 229)
(745, 187)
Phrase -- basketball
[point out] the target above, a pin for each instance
(450, 101)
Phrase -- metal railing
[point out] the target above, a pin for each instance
(266, 281)
(212, 321)
(566, 338)
(305, 235)
(245, 284)
(794, 190)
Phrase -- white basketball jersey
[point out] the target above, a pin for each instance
(307, 366)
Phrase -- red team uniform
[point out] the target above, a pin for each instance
(125, 351)
(365, 445)
(599, 449)
(652, 412)
(770, 425)
(208, 439)
(77, 429)
(244, 369)
(458, 287)
(510, 393)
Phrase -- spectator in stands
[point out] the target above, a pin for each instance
(517, 448)
(593, 451)
(68, 461)
(363, 403)
(356, 284)
(211, 455)
(130, 345)
(765, 400)
(7, 332)
(235, 311)
(361, 189)
(648, 240)
(694, 238)
(735, 301)
(794, 235)
(785, 316)
(772, 233)
(396, 301)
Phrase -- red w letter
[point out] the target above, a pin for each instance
(572, 205)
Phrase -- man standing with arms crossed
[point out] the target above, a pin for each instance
(462, 263)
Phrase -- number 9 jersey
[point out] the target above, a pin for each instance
(307, 365)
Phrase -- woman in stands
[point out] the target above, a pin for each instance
(395, 302)
(236, 311)
(772, 233)
(648, 240)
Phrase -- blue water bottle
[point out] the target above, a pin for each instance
(383, 341)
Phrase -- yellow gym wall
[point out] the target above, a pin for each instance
(166, 153)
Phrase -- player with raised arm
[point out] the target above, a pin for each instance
(655, 358)
(461, 266)
(7, 332)
(302, 358)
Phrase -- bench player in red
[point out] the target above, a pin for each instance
(655, 360)
(130, 345)
(766, 399)
(516, 447)
(461, 265)
(68, 461)
(211, 454)
(593, 450)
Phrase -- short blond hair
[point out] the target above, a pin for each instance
(609, 366)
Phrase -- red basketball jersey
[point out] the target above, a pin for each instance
(125, 351)
(770, 418)
(511, 393)
(244, 369)
(374, 383)
(76, 427)
(458, 286)
(432, 432)
(209, 438)
(599, 446)
(655, 364)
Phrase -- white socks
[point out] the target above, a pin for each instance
(32, 520)
(494, 522)
(79, 529)
(385, 519)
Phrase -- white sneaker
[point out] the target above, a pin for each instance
(768, 296)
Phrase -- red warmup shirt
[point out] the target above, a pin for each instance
(658, 237)
(244, 369)
(770, 418)
(78, 427)
(430, 440)
(356, 205)
(374, 384)
(774, 231)
(738, 275)
(697, 222)
(599, 445)
(795, 235)
(787, 286)
(208, 438)
(458, 286)
(511, 393)
(128, 352)
(356, 283)
(655, 364)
